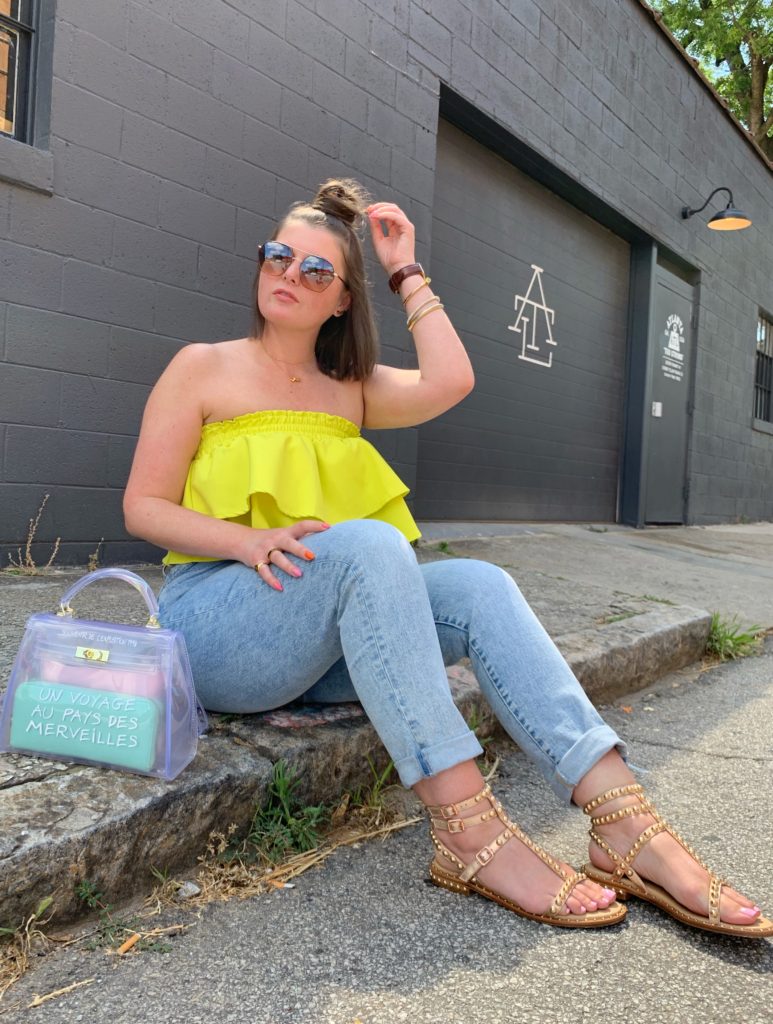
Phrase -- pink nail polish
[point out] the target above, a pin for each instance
(749, 911)
(277, 586)
(610, 892)
(297, 572)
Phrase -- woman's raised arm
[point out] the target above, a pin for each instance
(402, 398)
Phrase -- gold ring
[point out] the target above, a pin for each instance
(268, 556)
(259, 566)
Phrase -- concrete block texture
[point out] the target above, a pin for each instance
(37, 337)
(63, 456)
(180, 132)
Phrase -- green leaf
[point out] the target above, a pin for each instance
(44, 905)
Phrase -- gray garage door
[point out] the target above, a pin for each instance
(538, 291)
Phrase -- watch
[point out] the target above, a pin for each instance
(400, 275)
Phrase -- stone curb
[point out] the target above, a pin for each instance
(109, 828)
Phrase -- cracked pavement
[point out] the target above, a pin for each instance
(365, 939)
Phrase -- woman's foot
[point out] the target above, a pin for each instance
(517, 872)
(665, 861)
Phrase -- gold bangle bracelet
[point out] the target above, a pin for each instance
(426, 312)
(420, 307)
(410, 295)
(425, 307)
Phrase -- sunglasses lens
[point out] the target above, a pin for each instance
(316, 273)
(275, 258)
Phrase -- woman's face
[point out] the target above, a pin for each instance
(284, 300)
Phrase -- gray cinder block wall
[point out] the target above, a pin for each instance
(180, 132)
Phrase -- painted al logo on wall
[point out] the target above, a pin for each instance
(531, 309)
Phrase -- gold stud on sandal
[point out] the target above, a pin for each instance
(627, 882)
(446, 818)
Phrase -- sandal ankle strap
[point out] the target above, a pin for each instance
(634, 789)
(444, 812)
(629, 811)
(445, 818)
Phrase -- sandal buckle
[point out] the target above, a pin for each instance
(448, 811)
(455, 824)
(483, 856)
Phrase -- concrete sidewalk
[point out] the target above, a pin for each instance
(624, 607)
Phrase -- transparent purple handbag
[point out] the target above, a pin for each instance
(103, 694)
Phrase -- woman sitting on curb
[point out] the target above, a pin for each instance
(290, 574)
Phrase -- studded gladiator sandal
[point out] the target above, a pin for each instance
(627, 882)
(446, 818)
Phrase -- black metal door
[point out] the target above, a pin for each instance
(538, 292)
(670, 375)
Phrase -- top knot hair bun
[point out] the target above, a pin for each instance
(342, 198)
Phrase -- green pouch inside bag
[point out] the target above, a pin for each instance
(85, 724)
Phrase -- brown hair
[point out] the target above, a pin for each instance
(347, 345)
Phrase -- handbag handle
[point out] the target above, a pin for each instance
(113, 574)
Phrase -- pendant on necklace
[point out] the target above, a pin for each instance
(295, 380)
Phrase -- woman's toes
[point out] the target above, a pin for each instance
(733, 912)
(590, 894)
(739, 898)
(749, 912)
(575, 905)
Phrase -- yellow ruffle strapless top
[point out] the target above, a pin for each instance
(271, 468)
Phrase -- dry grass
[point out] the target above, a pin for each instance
(225, 872)
(27, 940)
(26, 563)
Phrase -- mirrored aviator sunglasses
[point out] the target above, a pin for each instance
(317, 273)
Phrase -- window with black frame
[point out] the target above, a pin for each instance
(763, 374)
(16, 38)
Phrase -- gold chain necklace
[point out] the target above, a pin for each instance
(292, 379)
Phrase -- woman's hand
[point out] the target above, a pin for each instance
(397, 248)
(268, 549)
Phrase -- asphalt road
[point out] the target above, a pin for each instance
(365, 938)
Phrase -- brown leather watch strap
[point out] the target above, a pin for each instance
(400, 275)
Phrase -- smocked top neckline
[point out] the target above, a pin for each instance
(300, 421)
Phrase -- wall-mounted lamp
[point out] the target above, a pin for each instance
(728, 219)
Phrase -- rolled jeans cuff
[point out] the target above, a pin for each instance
(437, 758)
(580, 758)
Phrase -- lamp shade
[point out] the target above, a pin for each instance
(729, 220)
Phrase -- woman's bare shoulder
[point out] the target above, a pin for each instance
(202, 362)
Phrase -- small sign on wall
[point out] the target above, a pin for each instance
(672, 363)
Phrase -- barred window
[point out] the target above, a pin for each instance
(16, 39)
(763, 374)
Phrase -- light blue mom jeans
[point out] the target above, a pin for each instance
(366, 622)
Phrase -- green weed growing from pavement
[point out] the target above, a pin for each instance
(372, 797)
(115, 932)
(283, 826)
(727, 640)
(110, 931)
(368, 802)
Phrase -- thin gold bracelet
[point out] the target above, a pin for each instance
(419, 308)
(421, 305)
(410, 295)
(426, 312)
